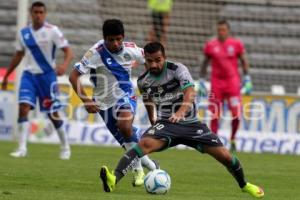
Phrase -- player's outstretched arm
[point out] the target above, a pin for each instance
(89, 104)
(15, 61)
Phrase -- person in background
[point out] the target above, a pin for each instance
(223, 53)
(37, 44)
(160, 13)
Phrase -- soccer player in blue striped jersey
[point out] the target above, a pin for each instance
(37, 44)
(109, 63)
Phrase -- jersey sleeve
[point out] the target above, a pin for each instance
(184, 77)
(139, 55)
(58, 38)
(90, 60)
(140, 86)
(19, 46)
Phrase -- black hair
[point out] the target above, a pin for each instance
(224, 22)
(37, 4)
(112, 27)
(154, 47)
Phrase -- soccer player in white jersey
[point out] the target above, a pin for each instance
(37, 44)
(109, 64)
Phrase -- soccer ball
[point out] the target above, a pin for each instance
(157, 182)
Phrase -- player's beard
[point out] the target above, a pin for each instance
(155, 71)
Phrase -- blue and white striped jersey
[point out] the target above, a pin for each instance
(40, 46)
(109, 72)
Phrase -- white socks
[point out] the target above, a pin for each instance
(148, 163)
(23, 134)
(63, 138)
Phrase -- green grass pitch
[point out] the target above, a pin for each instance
(194, 176)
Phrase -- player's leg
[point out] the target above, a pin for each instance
(110, 117)
(145, 146)
(65, 150)
(145, 160)
(27, 101)
(48, 92)
(156, 138)
(234, 103)
(165, 21)
(221, 154)
(23, 130)
(125, 110)
(124, 124)
(198, 136)
(215, 106)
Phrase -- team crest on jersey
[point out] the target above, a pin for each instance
(88, 54)
(160, 89)
(230, 50)
(127, 57)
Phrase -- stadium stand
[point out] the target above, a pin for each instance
(269, 28)
(8, 11)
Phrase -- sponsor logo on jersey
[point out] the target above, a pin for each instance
(108, 60)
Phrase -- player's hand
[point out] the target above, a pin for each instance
(61, 69)
(247, 85)
(202, 90)
(91, 106)
(4, 84)
(176, 117)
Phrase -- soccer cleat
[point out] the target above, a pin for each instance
(254, 190)
(65, 154)
(232, 146)
(138, 178)
(18, 153)
(108, 179)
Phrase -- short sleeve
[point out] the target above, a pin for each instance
(58, 38)
(19, 43)
(139, 55)
(184, 77)
(140, 86)
(89, 61)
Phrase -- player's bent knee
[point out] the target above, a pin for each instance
(24, 110)
(148, 145)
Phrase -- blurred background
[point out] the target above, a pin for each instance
(269, 28)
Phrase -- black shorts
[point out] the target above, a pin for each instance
(194, 135)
